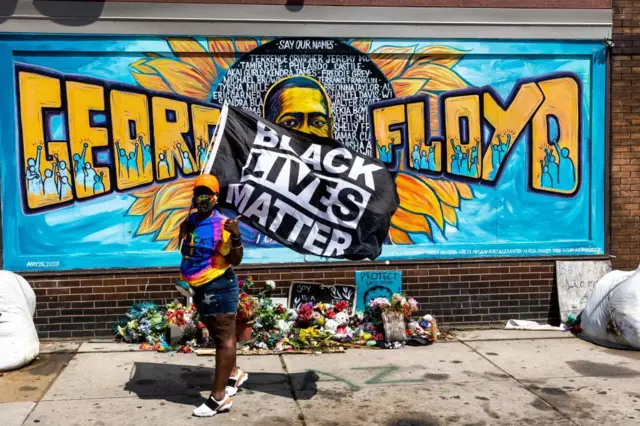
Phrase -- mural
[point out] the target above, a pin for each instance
(497, 148)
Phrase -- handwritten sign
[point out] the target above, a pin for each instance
(300, 293)
(373, 284)
(576, 281)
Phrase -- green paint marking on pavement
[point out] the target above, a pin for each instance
(386, 371)
(335, 378)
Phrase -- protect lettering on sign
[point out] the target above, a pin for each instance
(307, 192)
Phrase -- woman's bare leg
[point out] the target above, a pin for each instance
(223, 330)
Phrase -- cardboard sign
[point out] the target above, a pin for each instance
(576, 281)
(373, 284)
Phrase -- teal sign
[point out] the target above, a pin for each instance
(374, 284)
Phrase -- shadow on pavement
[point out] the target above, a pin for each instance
(182, 384)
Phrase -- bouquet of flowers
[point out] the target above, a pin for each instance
(304, 314)
(179, 315)
(257, 307)
(373, 319)
(145, 321)
(268, 315)
(247, 306)
(184, 316)
(309, 337)
(398, 303)
(148, 323)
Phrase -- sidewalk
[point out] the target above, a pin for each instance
(484, 378)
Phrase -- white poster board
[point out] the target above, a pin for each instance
(280, 301)
(576, 281)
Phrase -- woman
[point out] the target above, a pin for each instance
(211, 245)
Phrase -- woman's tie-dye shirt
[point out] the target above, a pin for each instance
(204, 251)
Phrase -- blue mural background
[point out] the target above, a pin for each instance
(505, 220)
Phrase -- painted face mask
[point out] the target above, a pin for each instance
(204, 203)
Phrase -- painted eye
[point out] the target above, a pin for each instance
(289, 122)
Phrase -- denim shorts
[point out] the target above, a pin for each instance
(219, 296)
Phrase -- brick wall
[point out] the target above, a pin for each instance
(456, 293)
(625, 135)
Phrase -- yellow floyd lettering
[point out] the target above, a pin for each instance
(548, 106)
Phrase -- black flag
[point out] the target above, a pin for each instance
(309, 193)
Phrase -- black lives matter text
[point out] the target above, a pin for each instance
(312, 195)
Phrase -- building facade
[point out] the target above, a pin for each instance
(508, 131)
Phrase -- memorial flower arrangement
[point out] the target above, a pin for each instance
(274, 327)
(148, 324)
(145, 320)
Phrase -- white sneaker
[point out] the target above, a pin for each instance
(234, 383)
(211, 407)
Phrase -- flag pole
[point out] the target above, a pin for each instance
(212, 150)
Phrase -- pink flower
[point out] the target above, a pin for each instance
(330, 314)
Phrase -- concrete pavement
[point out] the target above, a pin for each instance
(492, 377)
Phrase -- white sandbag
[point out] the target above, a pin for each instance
(611, 317)
(19, 344)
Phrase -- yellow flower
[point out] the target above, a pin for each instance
(365, 336)
(308, 334)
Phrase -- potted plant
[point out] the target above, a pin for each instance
(251, 307)
(247, 307)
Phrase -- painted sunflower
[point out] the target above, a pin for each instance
(194, 71)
